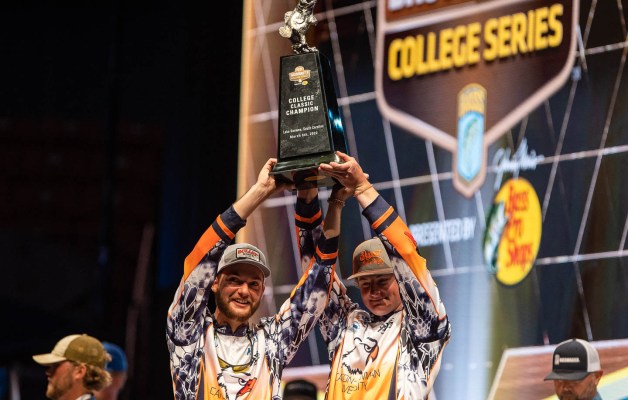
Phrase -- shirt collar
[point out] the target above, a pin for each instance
(377, 318)
(225, 329)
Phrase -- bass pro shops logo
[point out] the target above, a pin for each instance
(513, 232)
(461, 73)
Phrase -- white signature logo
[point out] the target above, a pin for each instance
(521, 161)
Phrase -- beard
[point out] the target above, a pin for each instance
(587, 394)
(59, 387)
(241, 315)
(583, 396)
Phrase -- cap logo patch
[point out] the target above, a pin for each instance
(565, 360)
(248, 253)
(371, 257)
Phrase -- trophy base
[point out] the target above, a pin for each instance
(303, 171)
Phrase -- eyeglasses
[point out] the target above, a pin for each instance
(235, 368)
(53, 367)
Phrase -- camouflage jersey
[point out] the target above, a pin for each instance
(396, 356)
(209, 361)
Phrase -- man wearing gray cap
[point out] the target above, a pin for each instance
(576, 370)
(76, 368)
(391, 350)
(221, 354)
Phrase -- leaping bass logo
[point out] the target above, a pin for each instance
(461, 73)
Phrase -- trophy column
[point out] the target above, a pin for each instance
(310, 126)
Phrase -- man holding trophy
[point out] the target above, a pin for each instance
(391, 350)
(221, 353)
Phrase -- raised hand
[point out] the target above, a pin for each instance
(268, 182)
(265, 186)
(348, 173)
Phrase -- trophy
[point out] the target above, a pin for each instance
(310, 126)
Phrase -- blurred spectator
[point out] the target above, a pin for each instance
(117, 368)
(576, 371)
(4, 383)
(76, 368)
(299, 389)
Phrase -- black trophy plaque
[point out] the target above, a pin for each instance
(310, 125)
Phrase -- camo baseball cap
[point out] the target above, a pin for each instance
(80, 348)
(244, 253)
(370, 258)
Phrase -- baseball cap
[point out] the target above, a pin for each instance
(244, 253)
(80, 348)
(573, 360)
(118, 361)
(301, 388)
(370, 258)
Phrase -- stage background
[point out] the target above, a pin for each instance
(579, 283)
(118, 147)
(120, 117)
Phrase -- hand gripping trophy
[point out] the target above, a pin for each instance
(310, 126)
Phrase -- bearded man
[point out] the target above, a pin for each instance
(221, 354)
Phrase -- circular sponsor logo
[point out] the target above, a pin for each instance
(513, 234)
